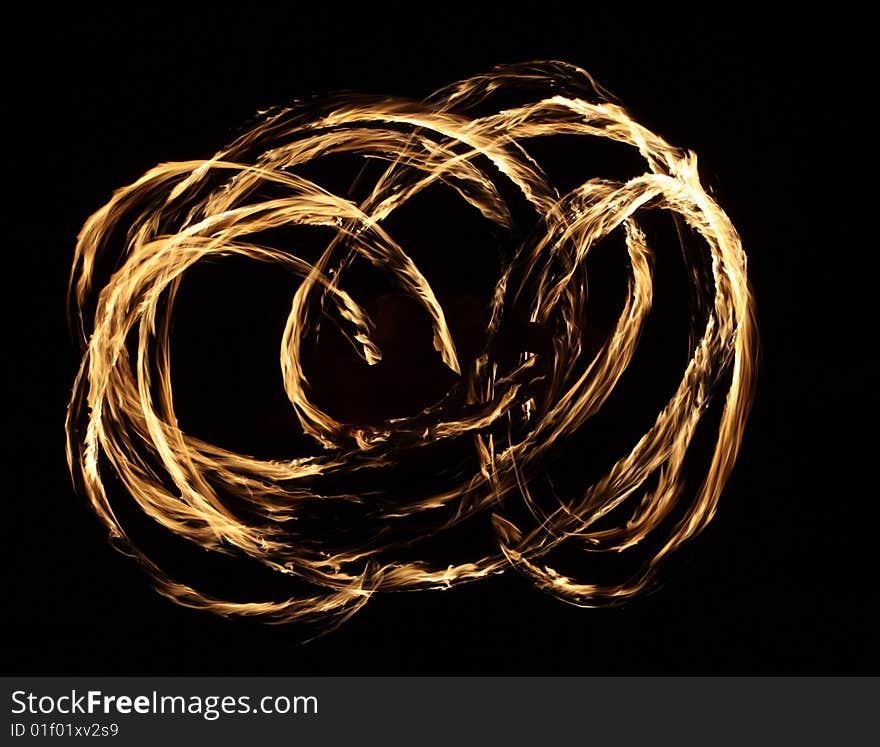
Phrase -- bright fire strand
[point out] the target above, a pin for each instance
(122, 409)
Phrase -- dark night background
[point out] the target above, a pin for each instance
(782, 582)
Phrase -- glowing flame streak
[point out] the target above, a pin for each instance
(126, 406)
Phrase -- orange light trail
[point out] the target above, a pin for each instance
(122, 417)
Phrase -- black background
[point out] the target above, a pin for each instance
(782, 582)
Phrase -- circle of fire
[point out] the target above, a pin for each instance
(122, 417)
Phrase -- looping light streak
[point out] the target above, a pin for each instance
(122, 416)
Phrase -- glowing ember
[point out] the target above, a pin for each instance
(122, 415)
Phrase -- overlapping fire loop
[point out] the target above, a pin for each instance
(122, 416)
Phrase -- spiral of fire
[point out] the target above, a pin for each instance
(121, 416)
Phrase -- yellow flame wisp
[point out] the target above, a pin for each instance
(122, 417)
